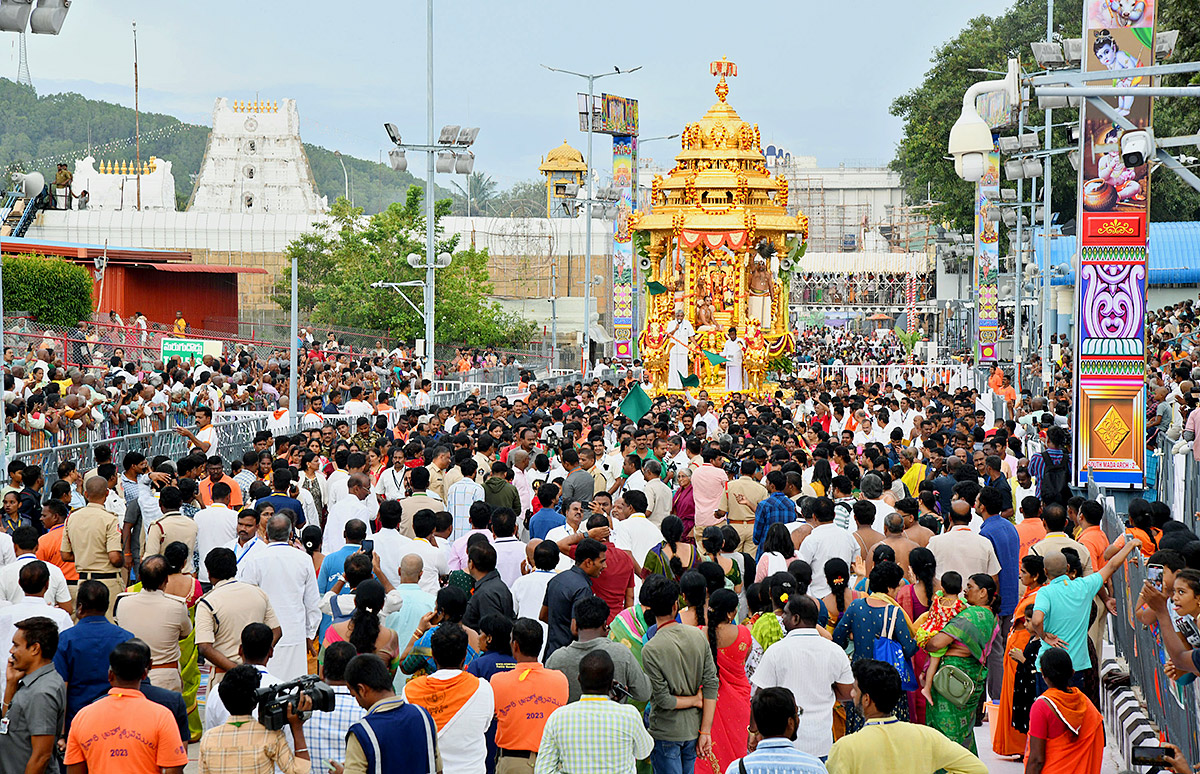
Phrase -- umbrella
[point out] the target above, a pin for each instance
(880, 316)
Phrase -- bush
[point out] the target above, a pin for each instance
(51, 290)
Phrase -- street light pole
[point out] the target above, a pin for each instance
(587, 234)
(345, 177)
(430, 362)
(1046, 186)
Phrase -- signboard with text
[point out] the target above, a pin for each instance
(186, 349)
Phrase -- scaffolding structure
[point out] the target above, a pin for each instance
(833, 227)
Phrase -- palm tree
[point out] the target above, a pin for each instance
(475, 198)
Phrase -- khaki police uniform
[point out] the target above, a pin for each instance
(172, 527)
(90, 534)
(741, 517)
(224, 612)
(161, 621)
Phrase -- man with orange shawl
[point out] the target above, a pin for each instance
(1066, 732)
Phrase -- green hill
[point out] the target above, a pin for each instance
(37, 131)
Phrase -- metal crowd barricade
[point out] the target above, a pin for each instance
(1176, 484)
(950, 375)
(1172, 707)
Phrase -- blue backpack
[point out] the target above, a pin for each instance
(890, 652)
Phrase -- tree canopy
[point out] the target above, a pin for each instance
(930, 110)
(344, 254)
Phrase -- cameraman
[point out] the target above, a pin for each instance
(242, 744)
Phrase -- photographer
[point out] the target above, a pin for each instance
(245, 745)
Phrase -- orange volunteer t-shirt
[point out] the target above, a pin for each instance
(125, 733)
(525, 697)
(49, 550)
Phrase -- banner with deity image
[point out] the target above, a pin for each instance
(987, 261)
(624, 169)
(1110, 290)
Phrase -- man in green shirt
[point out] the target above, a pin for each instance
(683, 683)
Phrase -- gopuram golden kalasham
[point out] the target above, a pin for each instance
(717, 248)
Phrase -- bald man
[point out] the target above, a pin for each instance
(353, 507)
(417, 604)
(92, 540)
(893, 535)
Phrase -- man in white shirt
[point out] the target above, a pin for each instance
(25, 543)
(216, 525)
(826, 541)
(632, 531)
(351, 507)
(288, 577)
(816, 670)
(247, 544)
(962, 549)
(204, 438)
(434, 561)
(510, 551)
(658, 494)
(705, 414)
(871, 487)
(34, 582)
(390, 546)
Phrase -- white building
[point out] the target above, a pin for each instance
(113, 185)
(255, 162)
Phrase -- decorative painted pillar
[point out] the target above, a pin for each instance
(624, 268)
(1110, 288)
(987, 262)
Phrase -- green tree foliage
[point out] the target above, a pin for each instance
(341, 257)
(987, 42)
(60, 126)
(51, 290)
(526, 199)
(479, 192)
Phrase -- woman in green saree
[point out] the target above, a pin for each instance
(964, 643)
(183, 585)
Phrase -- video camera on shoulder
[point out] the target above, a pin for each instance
(274, 700)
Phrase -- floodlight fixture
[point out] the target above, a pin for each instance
(1008, 194)
(14, 15)
(1009, 144)
(1073, 157)
(467, 136)
(994, 214)
(1049, 54)
(1039, 214)
(449, 135)
(393, 133)
(464, 163)
(1010, 217)
(445, 162)
(1032, 167)
(1052, 103)
(443, 260)
(1164, 44)
(49, 17)
(1014, 169)
(398, 160)
(1029, 141)
(415, 260)
(1073, 51)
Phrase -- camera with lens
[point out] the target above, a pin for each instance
(274, 700)
(553, 442)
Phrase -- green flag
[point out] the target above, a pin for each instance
(689, 381)
(636, 404)
(656, 288)
(714, 358)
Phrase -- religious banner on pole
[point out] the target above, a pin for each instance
(987, 261)
(623, 268)
(1110, 287)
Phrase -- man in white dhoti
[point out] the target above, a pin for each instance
(760, 288)
(680, 331)
(732, 352)
(287, 575)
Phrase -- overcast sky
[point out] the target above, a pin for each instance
(817, 77)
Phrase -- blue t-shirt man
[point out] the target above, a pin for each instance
(543, 521)
(1007, 543)
(1066, 605)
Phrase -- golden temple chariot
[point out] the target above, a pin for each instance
(714, 245)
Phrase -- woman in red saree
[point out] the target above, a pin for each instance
(1007, 740)
(1066, 731)
(730, 644)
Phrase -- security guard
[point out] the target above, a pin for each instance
(92, 540)
(225, 610)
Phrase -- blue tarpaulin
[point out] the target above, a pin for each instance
(1173, 250)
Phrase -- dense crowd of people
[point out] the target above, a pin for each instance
(838, 577)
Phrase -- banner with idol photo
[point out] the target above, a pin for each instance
(1110, 288)
(987, 261)
(623, 281)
